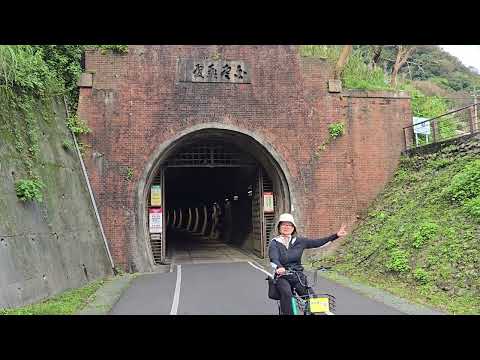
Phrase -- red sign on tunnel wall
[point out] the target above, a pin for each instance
(268, 202)
(155, 220)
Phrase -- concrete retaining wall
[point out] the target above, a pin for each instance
(48, 247)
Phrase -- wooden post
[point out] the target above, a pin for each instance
(434, 131)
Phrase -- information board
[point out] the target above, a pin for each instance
(155, 216)
(268, 202)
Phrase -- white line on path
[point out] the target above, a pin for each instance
(176, 295)
(259, 268)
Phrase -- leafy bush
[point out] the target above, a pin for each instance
(465, 185)
(23, 70)
(66, 62)
(426, 232)
(118, 49)
(129, 174)
(437, 164)
(391, 243)
(380, 215)
(357, 75)
(472, 207)
(76, 125)
(398, 261)
(336, 129)
(29, 190)
(67, 145)
(421, 276)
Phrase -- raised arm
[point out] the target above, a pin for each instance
(310, 243)
(314, 243)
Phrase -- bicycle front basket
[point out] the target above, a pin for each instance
(322, 304)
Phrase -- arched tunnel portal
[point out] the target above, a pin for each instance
(214, 194)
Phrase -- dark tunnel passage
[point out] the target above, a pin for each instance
(207, 206)
(212, 196)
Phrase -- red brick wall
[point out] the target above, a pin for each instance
(136, 103)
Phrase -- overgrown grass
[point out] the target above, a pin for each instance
(67, 303)
(419, 239)
(357, 75)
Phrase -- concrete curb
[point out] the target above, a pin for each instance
(381, 296)
(107, 295)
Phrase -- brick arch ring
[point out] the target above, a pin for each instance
(264, 153)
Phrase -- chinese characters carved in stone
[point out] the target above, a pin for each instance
(213, 71)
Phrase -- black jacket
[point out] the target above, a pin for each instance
(292, 257)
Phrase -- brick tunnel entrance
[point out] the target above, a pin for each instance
(215, 197)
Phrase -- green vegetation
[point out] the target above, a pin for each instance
(117, 49)
(356, 74)
(67, 145)
(430, 62)
(76, 125)
(27, 89)
(336, 129)
(129, 174)
(67, 303)
(29, 190)
(431, 76)
(31, 77)
(419, 239)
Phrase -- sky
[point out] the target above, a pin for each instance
(469, 55)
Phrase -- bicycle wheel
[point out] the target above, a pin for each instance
(305, 301)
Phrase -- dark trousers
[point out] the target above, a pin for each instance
(285, 284)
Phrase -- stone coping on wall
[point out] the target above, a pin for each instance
(376, 94)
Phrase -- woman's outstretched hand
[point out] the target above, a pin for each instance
(342, 231)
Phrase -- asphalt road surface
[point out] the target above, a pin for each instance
(237, 288)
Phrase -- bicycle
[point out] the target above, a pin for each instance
(311, 303)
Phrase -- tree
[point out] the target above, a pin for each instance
(403, 53)
(376, 53)
(342, 60)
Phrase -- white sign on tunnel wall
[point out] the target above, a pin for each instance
(268, 202)
(155, 216)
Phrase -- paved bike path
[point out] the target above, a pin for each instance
(148, 294)
(225, 289)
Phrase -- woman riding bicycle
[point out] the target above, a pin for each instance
(285, 253)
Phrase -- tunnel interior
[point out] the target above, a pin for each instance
(217, 200)
(213, 190)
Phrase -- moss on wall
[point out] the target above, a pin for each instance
(53, 245)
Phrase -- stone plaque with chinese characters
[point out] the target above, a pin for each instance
(213, 71)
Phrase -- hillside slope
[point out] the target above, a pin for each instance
(50, 240)
(421, 237)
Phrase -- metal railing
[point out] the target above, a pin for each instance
(453, 124)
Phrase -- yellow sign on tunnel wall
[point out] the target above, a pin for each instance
(156, 195)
